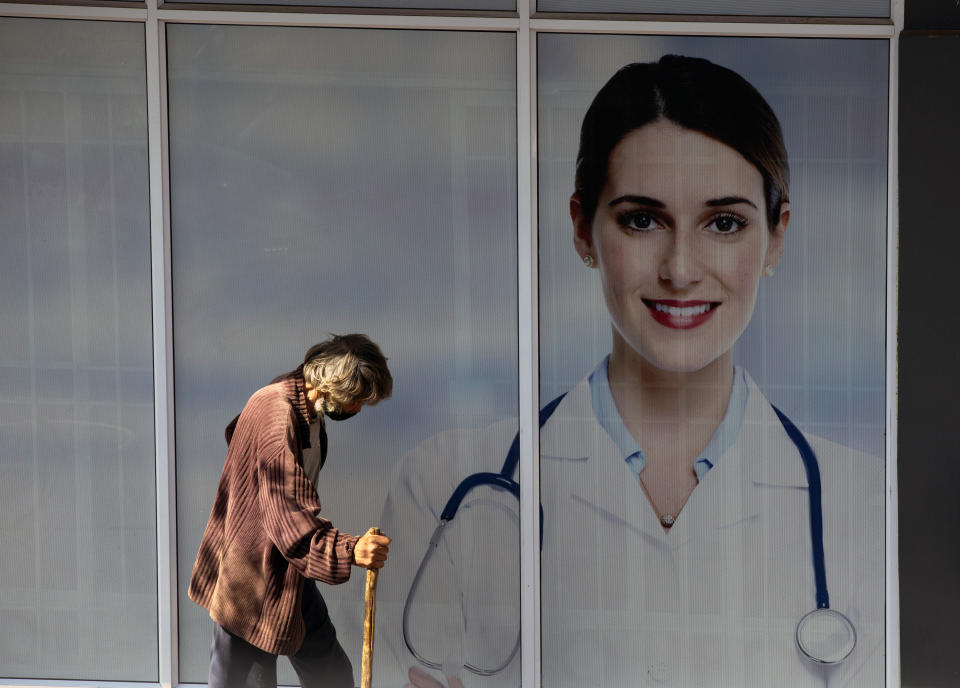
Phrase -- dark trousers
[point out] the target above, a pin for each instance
(320, 662)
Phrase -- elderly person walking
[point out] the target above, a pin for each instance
(266, 542)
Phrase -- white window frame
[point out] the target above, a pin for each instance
(526, 24)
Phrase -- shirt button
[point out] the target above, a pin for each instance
(659, 671)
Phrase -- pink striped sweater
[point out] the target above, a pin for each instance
(265, 533)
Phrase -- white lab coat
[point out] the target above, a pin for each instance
(713, 602)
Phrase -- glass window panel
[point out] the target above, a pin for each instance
(757, 8)
(331, 180)
(714, 599)
(77, 488)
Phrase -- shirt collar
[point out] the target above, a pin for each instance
(294, 388)
(605, 410)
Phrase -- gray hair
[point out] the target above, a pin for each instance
(348, 369)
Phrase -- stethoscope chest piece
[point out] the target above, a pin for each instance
(826, 636)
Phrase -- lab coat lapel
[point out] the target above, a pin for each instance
(778, 462)
(580, 462)
(727, 493)
(733, 491)
(569, 435)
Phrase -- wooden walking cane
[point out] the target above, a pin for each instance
(370, 611)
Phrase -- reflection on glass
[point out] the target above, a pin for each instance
(680, 544)
(329, 180)
(78, 546)
(755, 8)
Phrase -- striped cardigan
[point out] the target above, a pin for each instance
(265, 533)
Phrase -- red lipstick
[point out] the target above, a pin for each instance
(680, 315)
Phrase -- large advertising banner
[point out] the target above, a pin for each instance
(712, 290)
(712, 233)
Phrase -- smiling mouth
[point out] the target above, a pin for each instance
(681, 315)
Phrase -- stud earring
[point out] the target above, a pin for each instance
(769, 270)
(588, 261)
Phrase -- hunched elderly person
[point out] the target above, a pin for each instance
(266, 543)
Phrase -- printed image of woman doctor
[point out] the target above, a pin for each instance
(687, 529)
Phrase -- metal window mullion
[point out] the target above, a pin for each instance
(35, 497)
(69, 683)
(709, 28)
(528, 332)
(344, 20)
(161, 290)
(892, 554)
(134, 14)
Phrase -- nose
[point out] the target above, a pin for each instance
(680, 265)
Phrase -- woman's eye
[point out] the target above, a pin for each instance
(727, 224)
(639, 221)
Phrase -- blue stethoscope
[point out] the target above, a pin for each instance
(824, 635)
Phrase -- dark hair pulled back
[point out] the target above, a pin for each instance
(695, 94)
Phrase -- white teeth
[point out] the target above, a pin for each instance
(685, 312)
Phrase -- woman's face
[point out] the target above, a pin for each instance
(680, 238)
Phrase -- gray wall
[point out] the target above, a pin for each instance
(928, 363)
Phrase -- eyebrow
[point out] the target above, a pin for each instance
(729, 200)
(654, 203)
(639, 200)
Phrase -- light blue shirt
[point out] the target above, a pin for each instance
(609, 418)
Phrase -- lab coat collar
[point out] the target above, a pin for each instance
(575, 445)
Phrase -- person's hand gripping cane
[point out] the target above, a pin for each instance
(371, 553)
(371, 550)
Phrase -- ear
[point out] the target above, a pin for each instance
(582, 230)
(777, 235)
